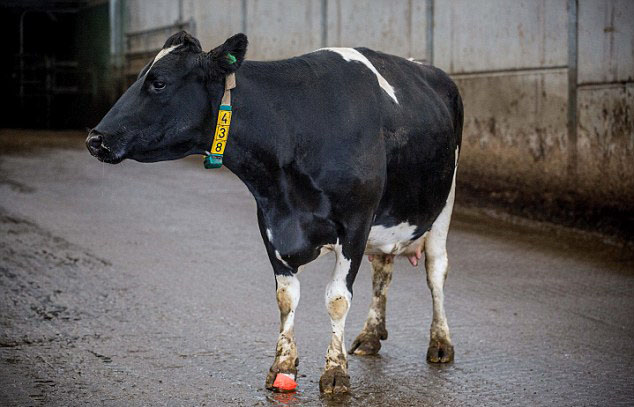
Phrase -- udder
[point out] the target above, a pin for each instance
(396, 240)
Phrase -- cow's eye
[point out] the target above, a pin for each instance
(158, 85)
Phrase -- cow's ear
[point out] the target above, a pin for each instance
(183, 40)
(228, 57)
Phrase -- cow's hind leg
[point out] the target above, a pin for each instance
(286, 359)
(368, 342)
(440, 347)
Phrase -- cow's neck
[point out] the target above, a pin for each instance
(255, 151)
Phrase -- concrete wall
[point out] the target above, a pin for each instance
(283, 28)
(606, 98)
(396, 26)
(473, 36)
(513, 80)
(509, 58)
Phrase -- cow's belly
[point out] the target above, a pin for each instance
(396, 240)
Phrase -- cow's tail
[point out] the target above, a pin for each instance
(458, 119)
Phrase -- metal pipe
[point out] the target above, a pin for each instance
(244, 16)
(573, 14)
(324, 23)
(429, 37)
(22, 58)
(535, 69)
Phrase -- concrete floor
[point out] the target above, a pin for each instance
(147, 284)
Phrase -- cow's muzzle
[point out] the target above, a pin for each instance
(95, 144)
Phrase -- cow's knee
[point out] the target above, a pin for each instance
(436, 266)
(337, 304)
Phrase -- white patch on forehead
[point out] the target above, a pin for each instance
(161, 54)
(269, 234)
(351, 54)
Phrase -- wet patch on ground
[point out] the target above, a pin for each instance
(51, 292)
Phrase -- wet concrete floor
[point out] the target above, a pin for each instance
(147, 284)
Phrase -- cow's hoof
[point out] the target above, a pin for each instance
(285, 383)
(439, 352)
(366, 344)
(334, 381)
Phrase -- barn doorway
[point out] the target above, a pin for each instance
(57, 73)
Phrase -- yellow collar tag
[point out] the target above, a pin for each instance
(214, 158)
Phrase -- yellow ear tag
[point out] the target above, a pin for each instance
(214, 159)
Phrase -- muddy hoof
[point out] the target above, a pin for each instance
(439, 352)
(365, 344)
(334, 380)
(274, 385)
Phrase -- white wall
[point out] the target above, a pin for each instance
(499, 34)
(606, 41)
(396, 26)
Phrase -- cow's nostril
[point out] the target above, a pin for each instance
(93, 142)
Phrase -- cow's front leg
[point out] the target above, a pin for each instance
(368, 342)
(335, 378)
(286, 360)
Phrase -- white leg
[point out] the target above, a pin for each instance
(286, 360)
(440, 347)
(335, 378)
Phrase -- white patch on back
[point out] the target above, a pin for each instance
(161, 54)
(351, 54)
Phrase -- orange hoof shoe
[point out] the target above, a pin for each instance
(284, 383)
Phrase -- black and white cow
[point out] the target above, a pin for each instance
(346, 150)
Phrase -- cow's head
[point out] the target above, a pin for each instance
(168, 112)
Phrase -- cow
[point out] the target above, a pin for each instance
(345, 150)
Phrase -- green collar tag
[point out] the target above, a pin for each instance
(213, 161)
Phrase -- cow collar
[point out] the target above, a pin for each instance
(213, 159)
